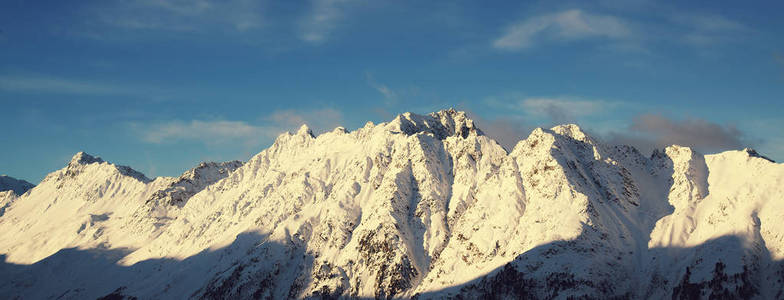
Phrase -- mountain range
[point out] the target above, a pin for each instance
(422, 206)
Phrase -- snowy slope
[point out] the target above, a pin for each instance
(422, 206)
(88, 204)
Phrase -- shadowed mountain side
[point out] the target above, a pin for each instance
(91, 273)
(527, 278)
(17, 186)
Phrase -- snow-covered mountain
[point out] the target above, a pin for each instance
(17, 186)
(423, 206)
(10, 188)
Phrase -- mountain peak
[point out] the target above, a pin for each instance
(305, 130)
(82, 158)
(442, 124)
(340, 130)
(573, 131)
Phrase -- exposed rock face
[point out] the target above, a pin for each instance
(423, 206)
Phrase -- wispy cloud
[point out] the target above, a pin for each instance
(706, 29)
(323, 18)
(170, 15)
(315, 23)
(211, 132)
(233, 132)
(390, 96)
(705, 22)
(58, 86)
(562, 110)
(319, 120)
(563, 26)
(557, 109)
(621, 34)
(779, 59)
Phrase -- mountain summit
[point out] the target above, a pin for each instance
(441, 124)
(423, 206)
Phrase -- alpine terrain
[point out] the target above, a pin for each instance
(423, 206)
(17, 186)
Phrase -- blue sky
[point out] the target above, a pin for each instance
(162, 85)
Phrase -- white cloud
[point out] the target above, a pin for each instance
(57, 85)
(563, 26)
(624, 35)
(318, 24)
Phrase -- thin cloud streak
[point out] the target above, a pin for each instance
(558, 110)
(620, 33)
(564, 111)
(57, 86)
(705, 30)
(170, 16)
(779, 59)
(705, 22)
(84, 87)
(564, 26)
(206, 131)
(390, 96)
(231, 132)
(319, 120)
